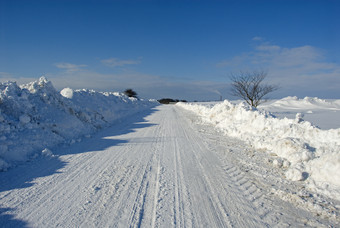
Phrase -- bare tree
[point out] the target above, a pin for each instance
(249, 86)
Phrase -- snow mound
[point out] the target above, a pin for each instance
(313, 154)
(36, 116)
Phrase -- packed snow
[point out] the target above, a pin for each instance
(35, 117)
(306, 152)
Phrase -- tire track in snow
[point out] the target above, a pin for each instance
(138, 208)
(185, 208)
(162, 181)
(251, 193)
(109, 193)
(137, 188)
(136, 204)
(156, 195)
(268, 211)
(143, 211)
(176, 196)
(63, 189)
(223, 219)
(75, 189)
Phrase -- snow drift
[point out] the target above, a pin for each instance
(306, 152)
(306, 103)
(35, 117)
(320, 112)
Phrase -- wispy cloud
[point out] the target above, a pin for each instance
(257, 38)
(266, 47)
(115, 62)
(69, 67)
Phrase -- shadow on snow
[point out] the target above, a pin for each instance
(8, 220)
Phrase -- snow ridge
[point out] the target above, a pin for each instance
(35, 117)
(306, 152)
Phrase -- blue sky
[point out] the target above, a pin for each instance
(178, 49)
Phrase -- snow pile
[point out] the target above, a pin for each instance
(306, 152)
(35, 117)
(67, 92)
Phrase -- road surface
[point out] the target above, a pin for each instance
(156, 169)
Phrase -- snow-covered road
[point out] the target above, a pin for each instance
(157, 169)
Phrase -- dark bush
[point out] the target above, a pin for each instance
(169, 100)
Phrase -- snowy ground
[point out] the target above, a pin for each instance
(89, 159)
(159, 168)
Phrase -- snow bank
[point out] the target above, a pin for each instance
(308, 153)
(35, 116)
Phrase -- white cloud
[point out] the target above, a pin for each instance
(69, 67)
(115, 62)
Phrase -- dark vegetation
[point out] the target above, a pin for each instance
(170, 101)
(130, 93)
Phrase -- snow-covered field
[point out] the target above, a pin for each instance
(36, 117)
(105, 160)
(324, 114)
(306, 152)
